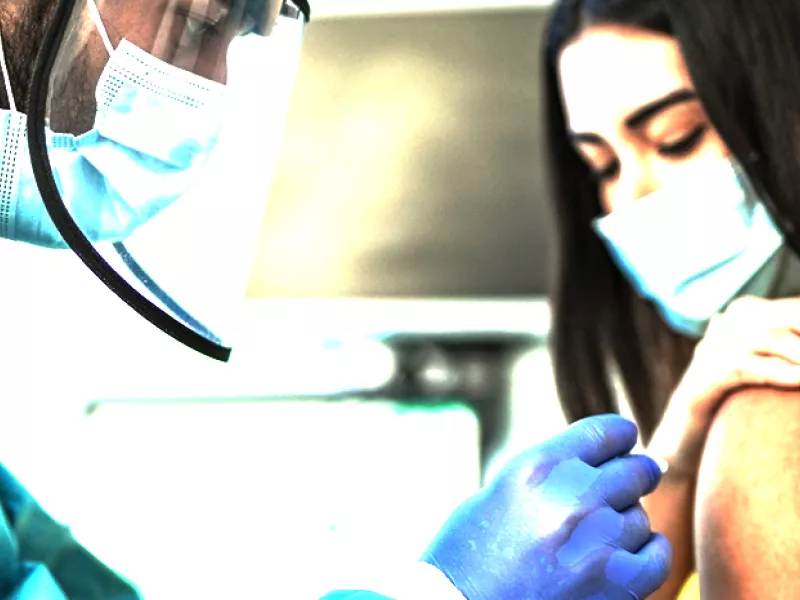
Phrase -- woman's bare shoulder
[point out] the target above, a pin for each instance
(748, 498)
(753, 411)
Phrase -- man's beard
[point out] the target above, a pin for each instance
(24, 26)
(72, 105)
(71, 94)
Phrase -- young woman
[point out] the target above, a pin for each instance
(674, 142)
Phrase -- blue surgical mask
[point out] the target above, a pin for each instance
(693, 246)
(154, 128)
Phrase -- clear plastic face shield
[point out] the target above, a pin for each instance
(152, 134)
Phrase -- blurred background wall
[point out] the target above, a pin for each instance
(412, 163)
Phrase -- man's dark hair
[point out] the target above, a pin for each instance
(23, 24)
(744, 60)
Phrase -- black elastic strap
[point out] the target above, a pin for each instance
(161, 295)
(304, 8)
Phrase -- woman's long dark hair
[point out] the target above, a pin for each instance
(744, 60)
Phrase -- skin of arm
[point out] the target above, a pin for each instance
(670, 508)
(747, 517)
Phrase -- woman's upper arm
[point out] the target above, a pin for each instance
(747, 519)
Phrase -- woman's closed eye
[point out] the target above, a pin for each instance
(598, 158)
(681, 148)
(610, 171)
(685, 145)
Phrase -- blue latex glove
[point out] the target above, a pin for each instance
(560, 522)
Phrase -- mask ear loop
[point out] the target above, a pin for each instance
(101, 28)
(6, 77)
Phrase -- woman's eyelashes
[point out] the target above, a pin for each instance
(684, 146)
(679, 149)
(608, 172)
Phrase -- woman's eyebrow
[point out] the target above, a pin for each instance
(586, 138)
(641, 116)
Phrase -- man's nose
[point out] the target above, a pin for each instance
(261, 15)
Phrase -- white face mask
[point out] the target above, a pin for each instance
(154, 129)
(694, 245)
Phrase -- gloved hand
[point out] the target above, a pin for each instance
(562, 521)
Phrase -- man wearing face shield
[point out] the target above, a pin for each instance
(136, 107)
(118, 126)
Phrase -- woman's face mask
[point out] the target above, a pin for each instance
(692, 246)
